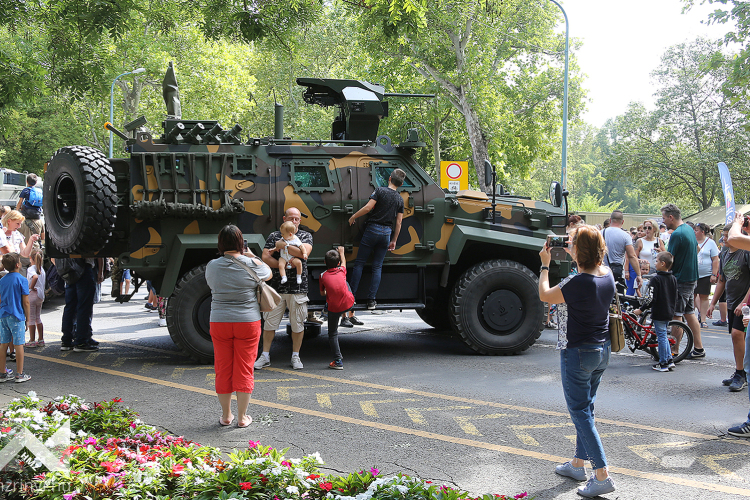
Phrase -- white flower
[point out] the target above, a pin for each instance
(317, 458)
(402, 488)
(295, 461)
(261, 460)
(292, 490)
(31, 394)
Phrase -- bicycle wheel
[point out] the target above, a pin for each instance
(680, 338)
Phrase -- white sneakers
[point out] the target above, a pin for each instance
(263, 362)
(296, 363)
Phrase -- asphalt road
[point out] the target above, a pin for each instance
(416, 400)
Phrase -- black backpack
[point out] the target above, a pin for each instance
(70, 270)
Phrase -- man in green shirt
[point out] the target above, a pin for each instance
(684, 248)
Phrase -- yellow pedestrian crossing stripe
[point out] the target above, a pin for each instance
(526, 438)
(368, 406)
(282, 392)
(324, 398)
(470, 428)
(415, 414)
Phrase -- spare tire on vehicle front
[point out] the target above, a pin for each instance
(80, 201)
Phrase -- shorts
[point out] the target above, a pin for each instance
(126, 274)
(297, 304)
(685, 298)
(734, 321)
(704, 286)
(12, 330)
(723, 297)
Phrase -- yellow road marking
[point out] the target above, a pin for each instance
(282, 393)
(178, 372)
(526, 438)
(710, 462)
(642, 450)
(572, 437)
(469, 428)
(504, 406)
(210, 378)
(324, 398)
(415, 414)
(368, 406)
(275, 380)
(121, 360)
(411, 432)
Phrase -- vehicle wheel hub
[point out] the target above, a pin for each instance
(502, 311)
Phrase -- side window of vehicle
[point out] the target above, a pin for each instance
(381, 172)
(310, 174)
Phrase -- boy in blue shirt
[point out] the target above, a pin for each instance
(14, 311)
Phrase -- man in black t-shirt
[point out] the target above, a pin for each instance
(386, 209)
(293, 294)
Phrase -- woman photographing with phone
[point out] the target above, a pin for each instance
(585, 347)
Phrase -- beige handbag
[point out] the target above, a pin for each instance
(268, 298)
(616, 328)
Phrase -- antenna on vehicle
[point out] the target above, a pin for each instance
(490, 175)
(278, 118)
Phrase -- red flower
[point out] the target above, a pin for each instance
(246, 486)
(313, 476)
(177, 469)
(5, 429)
(117, 400)
(326, 486)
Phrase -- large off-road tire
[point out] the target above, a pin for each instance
(437, 311)
(80, 201)
(188, 315)
(495, 307)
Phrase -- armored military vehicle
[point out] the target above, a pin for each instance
(464, 261)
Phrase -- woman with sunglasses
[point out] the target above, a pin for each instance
(648, 247)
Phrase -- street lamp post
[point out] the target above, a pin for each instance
(112, 100)
(564, 170)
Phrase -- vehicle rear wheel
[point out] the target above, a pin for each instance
(80, 201)
(495, 307)
(188, 315)
(680, 338)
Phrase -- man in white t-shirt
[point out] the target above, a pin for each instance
(619, 247)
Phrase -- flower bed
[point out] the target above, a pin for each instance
(112, 454)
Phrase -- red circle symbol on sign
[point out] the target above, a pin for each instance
(454, 171)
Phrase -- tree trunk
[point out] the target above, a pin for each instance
(476, 137)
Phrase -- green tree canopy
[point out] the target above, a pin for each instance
(676, 147)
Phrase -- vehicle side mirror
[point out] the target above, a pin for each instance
(487, 173)
(556, 194)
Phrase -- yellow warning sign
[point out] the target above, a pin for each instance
(454, 175)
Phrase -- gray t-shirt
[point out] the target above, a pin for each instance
(233, 293)
(616, 240)
(735, 269)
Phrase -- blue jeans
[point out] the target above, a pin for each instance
(581, 369)
(375, 240)
(746, 363)
(79, 307)
(665, 351)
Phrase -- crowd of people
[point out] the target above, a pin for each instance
(234, 277)
(673, 271)
(22, 287)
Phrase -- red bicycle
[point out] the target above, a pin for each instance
(640, 334)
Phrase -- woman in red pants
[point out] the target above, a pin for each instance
(235, 321)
